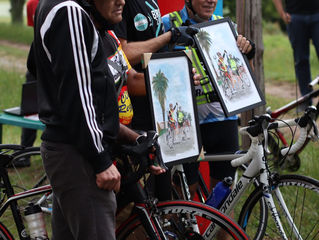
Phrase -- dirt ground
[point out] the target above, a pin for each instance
(283, 89)
(10, 62)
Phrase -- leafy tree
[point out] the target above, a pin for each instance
(160, 84)
(16, 11)
(206, 42)
(269, 12)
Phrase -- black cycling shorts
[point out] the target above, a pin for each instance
(220, 138)
(217, 138)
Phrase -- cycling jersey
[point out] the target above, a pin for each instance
(180, 117)
(221, 64)
(233, 64)
(119, 66)
(141, 21)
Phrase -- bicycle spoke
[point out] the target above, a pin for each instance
(298, 196)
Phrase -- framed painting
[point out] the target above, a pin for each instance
(170, 89)
(227, 67)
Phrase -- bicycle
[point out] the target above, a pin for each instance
(291, 162)
(12, 224)
(149, 219)
(280, 194)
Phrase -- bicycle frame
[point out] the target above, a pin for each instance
(13, 198)
(149, 222)
(257, 172)
(286, 108)
(257, 165)
(146, 209)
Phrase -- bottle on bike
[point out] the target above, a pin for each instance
(220, 193)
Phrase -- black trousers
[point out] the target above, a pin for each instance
(81, 210)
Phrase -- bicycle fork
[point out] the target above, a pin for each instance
(268, 197)
(150, 222)
(275, 215)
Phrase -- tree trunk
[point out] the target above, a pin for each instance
(17, 11)
(249, 20)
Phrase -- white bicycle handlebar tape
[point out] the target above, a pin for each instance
(314, 82)
(248, 156)
(254, 144)
(298, 144)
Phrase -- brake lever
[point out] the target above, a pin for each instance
(159, 157)
(315, 128)
(264, 125)
(158, 154)
(312, 112)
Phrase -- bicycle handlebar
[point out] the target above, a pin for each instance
(248, 156)
(298, 144)
(261, 125)
(141, 158)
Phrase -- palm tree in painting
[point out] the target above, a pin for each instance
(160, 84)
(206, 42)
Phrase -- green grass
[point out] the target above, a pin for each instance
(4, 19)
(10, 88)
(278, 58)
(276, 102)
(16, 33)
(13, 51)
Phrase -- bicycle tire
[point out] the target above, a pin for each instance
(4, 233)
(36, 169)
(174, 224)
(295, 190)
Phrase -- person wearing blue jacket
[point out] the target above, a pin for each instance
(219, 133)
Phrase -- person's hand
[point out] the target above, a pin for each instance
(286, 17)
(109, 179)
(156, 170)
(183, 35)
(196, 77)
(243, 44)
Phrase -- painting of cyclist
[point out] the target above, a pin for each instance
(181, 120)
(222, 66)
(171, 119)
(170, 137)
(233, 64)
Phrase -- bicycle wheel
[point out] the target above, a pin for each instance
(28, 177)
(4, 233)
(301, 195)
(175, 218)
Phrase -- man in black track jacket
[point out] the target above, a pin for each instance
(78, 104)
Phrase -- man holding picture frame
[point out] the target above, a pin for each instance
(141, 31)
(219, 133)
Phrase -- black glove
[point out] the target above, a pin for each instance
(143, 145)
(252, 52)
(183, 35)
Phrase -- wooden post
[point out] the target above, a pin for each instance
(249, 21)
